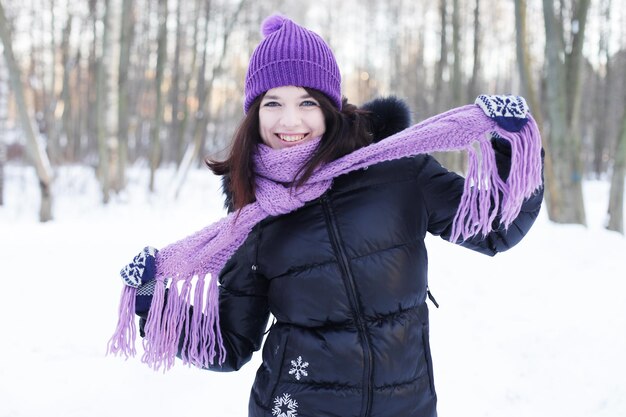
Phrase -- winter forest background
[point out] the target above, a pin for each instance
(115, 83)
(108, 108)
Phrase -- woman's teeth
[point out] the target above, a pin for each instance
(291, 138)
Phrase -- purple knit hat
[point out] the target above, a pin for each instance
(291, 55)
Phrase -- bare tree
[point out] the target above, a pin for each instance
(187, 83)
(155, 131)
(455, 161)
(52, 127)
(204, 91)
(175, 93)
(3, 159)
(474, 87)
(442, 63)
(68, 64)
(36, 151)
(123, 88)
(529, 90)
(457, 75)
(616, 194)
(4, 104)
(90, 112)
(601, 144)
(563, 87)
(101, 107)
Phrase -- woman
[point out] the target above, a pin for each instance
(329, 239)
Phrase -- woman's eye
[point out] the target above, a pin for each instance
(271, 104)
(309, 103)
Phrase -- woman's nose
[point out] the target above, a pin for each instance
(290, 117)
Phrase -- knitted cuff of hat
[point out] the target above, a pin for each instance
(205, 253)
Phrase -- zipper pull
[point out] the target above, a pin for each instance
(431, 298)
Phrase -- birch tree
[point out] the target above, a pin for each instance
(155, 132)
(66, 93)
(123, 88)
(50, 96)
(36, 151)
(101, 107)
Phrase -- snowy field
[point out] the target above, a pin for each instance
(539, 331)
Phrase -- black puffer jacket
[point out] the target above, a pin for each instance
(345, 277)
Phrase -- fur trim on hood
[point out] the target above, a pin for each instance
(389, 116)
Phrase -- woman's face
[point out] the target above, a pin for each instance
(289, 116)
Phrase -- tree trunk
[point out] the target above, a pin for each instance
(530, 93)
(82, 110)
(90, 112)
(50, 102)
(35, 150)
(455, 161)
(101, 103)
(616, 194)
(66, 99)
(204, 92)
(155, 133)
(111, 56)
(185, 93)
(602, 103)
(174, 135)
(474, 88)
(563, 103)
(216, 72)
(126, 40)
(3, 159)
(457, 76)
(4, 108)
(442, 63)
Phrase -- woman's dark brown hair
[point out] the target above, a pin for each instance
(346, 131)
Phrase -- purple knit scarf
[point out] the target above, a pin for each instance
(203, 254)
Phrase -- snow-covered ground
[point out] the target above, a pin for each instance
(537, 331)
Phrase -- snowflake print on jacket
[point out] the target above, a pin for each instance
(285, 406)
(299, 368)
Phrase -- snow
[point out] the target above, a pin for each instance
(537, 331)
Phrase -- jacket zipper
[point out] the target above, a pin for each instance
(351, 287)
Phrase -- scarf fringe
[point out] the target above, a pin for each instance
(480, 202)
(171, 311)
(123, 339)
